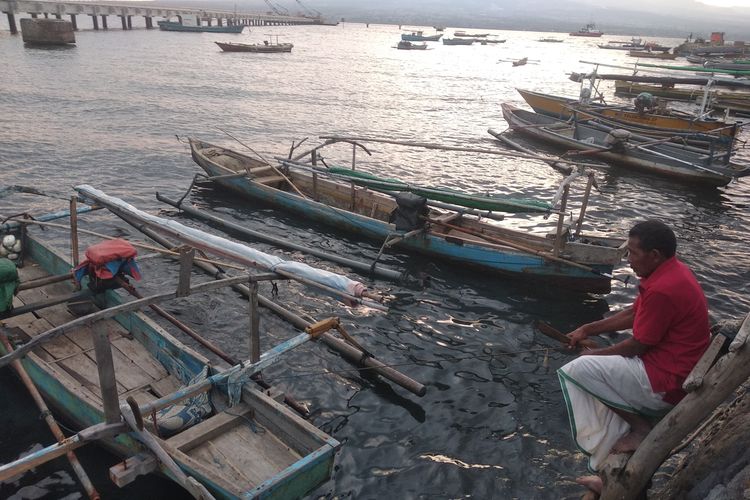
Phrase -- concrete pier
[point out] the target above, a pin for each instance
(34, 8)
(47, 31)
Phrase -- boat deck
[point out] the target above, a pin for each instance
(236, 448)
(71, 356)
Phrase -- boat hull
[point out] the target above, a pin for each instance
(258, 48)
(505, 261)
(305, 474)
(645, 161)
(420, 38)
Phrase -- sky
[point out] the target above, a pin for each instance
(727, 3)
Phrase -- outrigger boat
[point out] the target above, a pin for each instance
(644, 123)
(419, 36)
(620, 147)
(355, 202)
(206, 426)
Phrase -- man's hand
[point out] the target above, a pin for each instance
(579, 338)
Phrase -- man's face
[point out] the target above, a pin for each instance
(641, 261)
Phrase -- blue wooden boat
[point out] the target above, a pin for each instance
(587, 259)
(175, 26)
(255, 449)
(418, 36)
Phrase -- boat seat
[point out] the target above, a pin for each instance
(256, 171)
(270, 180)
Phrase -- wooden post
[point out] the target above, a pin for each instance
(74, 22)
(560, 221)
(584, 203)
(254, 322)
(106, 367)
(12, 22)
(314, 158)
(74, 230)
(354, 166)
(187, 256)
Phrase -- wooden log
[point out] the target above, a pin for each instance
(721, 380)
(128, 470)
(695, 378)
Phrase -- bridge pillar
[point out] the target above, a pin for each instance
(46, 16)
(95, 21)
(12, 23)
(33, 15)
(130, 22)
(149, 23)
(58, 16)
(219, 21)
(73, 22)
(104, 22)
(124, 25)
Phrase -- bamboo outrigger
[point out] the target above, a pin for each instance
(116, 374)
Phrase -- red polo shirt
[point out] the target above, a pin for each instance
(671, 316)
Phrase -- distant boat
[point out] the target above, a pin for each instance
(174, 26)
(633, 44)
(458, 41)
(550, 40)
(418, 36)
(588, 30)
(402, 45)
(265, 47)
(485, 41)
(470, 35)
(652, 55)
(439, 28)
(521, 62)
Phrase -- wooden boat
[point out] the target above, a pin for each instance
(458, 41)
(485, 41)
(175, 26)
(562, 107)
(668, 92)
(589, 30)
(550, 40)
(462, 239)
(648, 54)
(402, 45)
(521, 62)
(418, 36)
(634, 44)
(264, 47)
(463, 34)
(279, 455)
(682, 163)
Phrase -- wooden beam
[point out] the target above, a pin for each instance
(695, 378)
(106, 369)
(128, 470)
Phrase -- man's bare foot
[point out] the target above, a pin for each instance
(629, 442)
(594, 483)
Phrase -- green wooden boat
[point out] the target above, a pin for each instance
(257, 448)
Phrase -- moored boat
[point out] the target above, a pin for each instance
(265, 47)
(648, 54)
(253, 447)
(622, 148)
(463, 34)
(562, 108)
(333, 199)
(175, 26)
(403, 45)
(588, 30)
(419, 36)
(458, 41)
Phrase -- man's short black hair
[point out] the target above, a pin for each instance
(653, 234)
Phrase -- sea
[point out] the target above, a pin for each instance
(114, 111)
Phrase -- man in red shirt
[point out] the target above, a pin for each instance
(612, 392)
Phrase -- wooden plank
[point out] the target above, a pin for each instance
(166, 385)
(141, 357)
(259, 456)
(695, 378)
(220, 466)
(209, 428)
(206, 467)
(127, 471)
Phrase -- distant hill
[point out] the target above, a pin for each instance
(675, 18)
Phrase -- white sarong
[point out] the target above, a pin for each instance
(593, 384)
